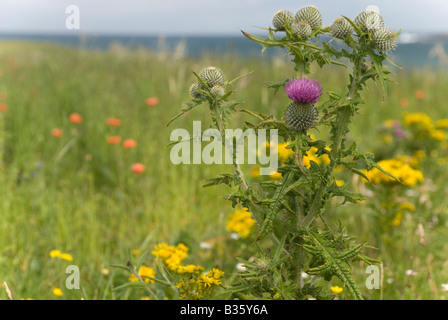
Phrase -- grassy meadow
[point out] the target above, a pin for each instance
(78, 194)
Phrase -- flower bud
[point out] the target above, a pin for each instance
(300, 116)
(282, 18)
(217, 91)
(369, 20)
(384, 39)
(212, 76)
(194, 91)
(341, 28)
(302, 29)
(311, 15)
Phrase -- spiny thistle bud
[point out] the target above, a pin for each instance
(217, 91)
(341, 28)
(369, 20)
(282, 18)
(300, 116)
(303, 29)
(194, 91)
(384, 39)
(303, 90)
(212, 76)
(311, 15)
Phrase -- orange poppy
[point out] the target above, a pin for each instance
(152, 101)
(138, 168)
(113, 140)
(419, 94)
(3, 107)
(129, 143)
(57, 133)
(114, 122)
(75, 118)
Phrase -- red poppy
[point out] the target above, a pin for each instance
(57, 133)
(152, 101)
(75, 118)
(138, 168)
(129, 143)
(113, 140)
(114, 122)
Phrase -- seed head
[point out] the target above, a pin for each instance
(341, 28)
(369, 20)
(303, 29)
(311, 15)
(212, 76)
(384, 39)
(300, 116)
(303, 90)
(282, 18)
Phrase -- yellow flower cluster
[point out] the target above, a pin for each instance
(398, 168)
(241, 222)
(312, 156)
(145, 273)
(425, 126)
(61, 255)
(198, 288)
(171, 255)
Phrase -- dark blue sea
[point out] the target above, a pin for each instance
(416, 51)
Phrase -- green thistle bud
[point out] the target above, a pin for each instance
(341, 28)
(384, 39)
(300, 116)
(212, 76)
(195, 91)
(282, 18)
(303, 29)
(369, 20)
(311, 15)
(217, 91)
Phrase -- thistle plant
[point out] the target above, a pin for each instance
(294, 237)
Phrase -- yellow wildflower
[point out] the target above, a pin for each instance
(240, 222)
(57, 292)
(407, 206)
(284, 153)
(336, 289)
(442, 124)
(170, 255)
(66, 256)
(55, 253)
(105, 271)
(403, 171)
(438, 135)
(144, 272)
(420, 121)
(397, 220)
(275, 175)
(340, 183)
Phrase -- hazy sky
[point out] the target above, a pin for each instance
(180, 17)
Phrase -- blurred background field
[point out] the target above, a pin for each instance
(72, 190)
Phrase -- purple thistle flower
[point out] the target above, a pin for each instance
(303, 90)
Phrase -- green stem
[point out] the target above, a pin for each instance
(342, 120)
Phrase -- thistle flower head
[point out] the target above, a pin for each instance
(384, 39)
(303, 90)
(302, 29)
(212, 76)
(194, 91)
(300, 116)
(311, 15)
(341, 28)
(282, 18)
(369, 20)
